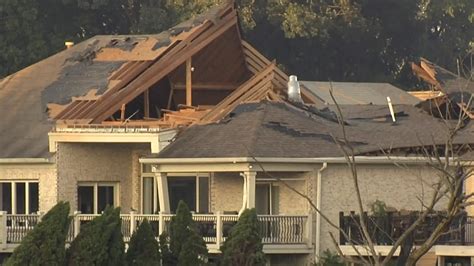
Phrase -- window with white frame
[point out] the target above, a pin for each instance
(19, 197)
(192, 188)
(150, 204)
(94, 197)
(267, 196)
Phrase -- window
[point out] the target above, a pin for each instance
(191, 188)
(194, 190)
(267, 198)
(93, 198)
(150, 203)
(19, 197)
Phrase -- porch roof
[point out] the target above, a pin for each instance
(269, 129)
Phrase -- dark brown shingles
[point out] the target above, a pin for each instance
(269, 129)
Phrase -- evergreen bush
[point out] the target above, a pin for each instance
(244, 244)
(45, 244)
(143, 248)
(100, 242)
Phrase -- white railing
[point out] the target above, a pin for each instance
(214, 228)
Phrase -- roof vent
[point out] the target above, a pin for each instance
(69, 44)
(294, 91)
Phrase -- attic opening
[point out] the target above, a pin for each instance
(216, 71)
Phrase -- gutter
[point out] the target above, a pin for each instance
(358, 159)
(318, 215)
(25, 161)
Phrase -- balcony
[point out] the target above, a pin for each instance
(385, 230)
(280, 233)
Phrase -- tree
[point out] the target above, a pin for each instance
(100, 242)
(186, 245)
(167, 258)
(45, 244)
(244, 245)
(143, 248)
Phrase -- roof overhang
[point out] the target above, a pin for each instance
(238, 164)
(358, 159)
(157, 140)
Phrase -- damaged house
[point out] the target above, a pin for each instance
(197, 114)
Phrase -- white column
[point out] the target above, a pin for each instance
(244, 194)
(77, 223)
(3, 229)
(251, 183)
(162, 181)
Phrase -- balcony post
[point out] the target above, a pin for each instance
(218, 228)
(40, 216)
(162, 181)
(309, 230)
(77, 223)
(161, 225)
(3, 229)
(132, 222)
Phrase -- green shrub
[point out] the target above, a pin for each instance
(100, 242)
(143, 248)
(45, 244)
(186, 245)
(244, 245)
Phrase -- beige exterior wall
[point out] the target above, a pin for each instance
(397, 187)
(44, 173)
(227, 191)
(81, 162)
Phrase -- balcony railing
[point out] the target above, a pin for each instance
(386, 229)
(214, 228)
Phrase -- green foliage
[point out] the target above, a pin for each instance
(45, 245)
(244, 245)
(186, 245)
(360, 40)
(167, 258)
(100, 242)
(330, 259)
(378, 208)
(143, 248)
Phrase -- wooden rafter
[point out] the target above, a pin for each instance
(162, 67)
(256, 62)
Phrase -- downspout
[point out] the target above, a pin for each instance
(244, 195)
(318, 215)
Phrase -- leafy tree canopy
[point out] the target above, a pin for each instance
(344, 40)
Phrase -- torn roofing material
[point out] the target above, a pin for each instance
(443, 79)
(87, 66)
(360, 93)
(269, 129)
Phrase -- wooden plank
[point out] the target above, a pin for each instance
(189, 82)
(122, 113)
(146, 103)
(239, 94)
(209, 86)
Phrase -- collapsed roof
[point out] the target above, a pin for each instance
(270, 129)
(138, 81)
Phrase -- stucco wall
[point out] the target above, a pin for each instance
(397, 187)
(80, 162)
(226, 192)
(44, 173)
